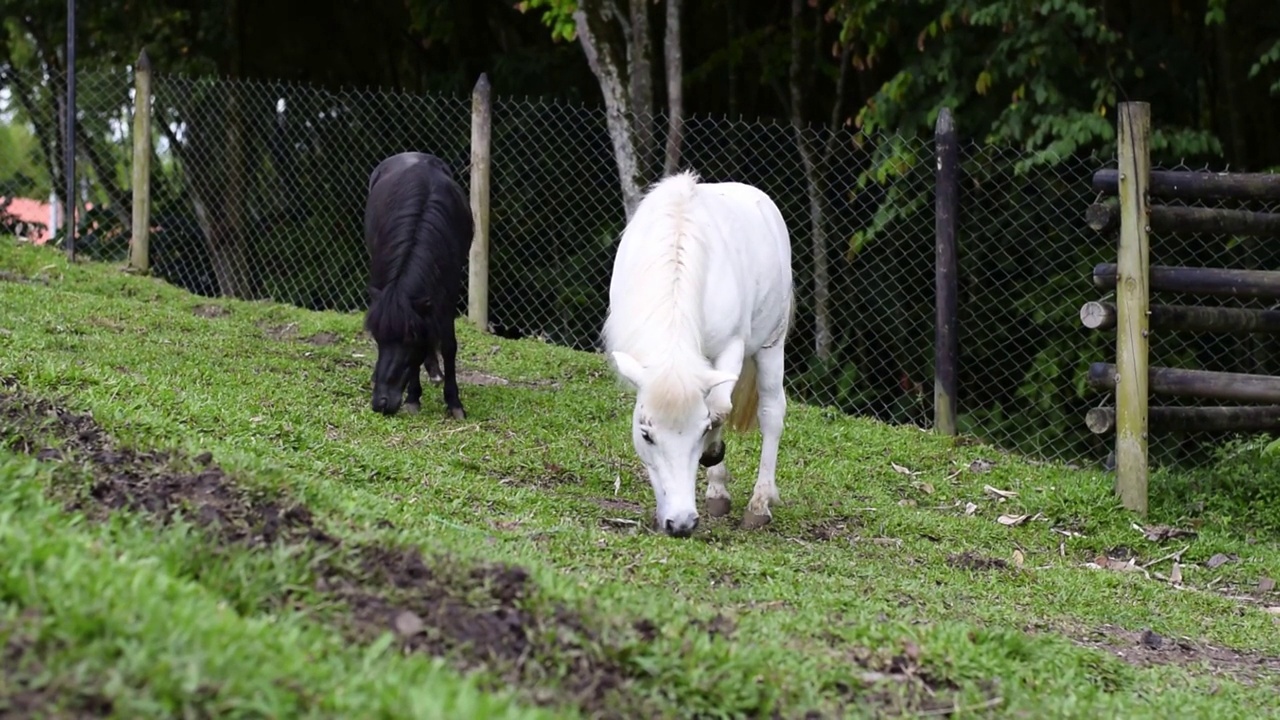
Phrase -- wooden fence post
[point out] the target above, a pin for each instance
(946, 338)
(1132, 304)
(139, 245)
(478, 279)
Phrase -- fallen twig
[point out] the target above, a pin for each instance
(1177, 556)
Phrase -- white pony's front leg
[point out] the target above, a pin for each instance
(771, 411)
(717, 497)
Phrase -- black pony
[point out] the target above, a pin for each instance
(417, 229)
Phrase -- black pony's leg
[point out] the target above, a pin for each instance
(413, 394)
(433, 365)
(449, 348)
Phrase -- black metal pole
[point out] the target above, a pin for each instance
(69, 203)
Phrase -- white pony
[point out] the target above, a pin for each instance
(699, 307)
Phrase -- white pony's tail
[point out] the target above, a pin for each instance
(745, 397)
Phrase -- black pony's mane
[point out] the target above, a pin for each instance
(418, 226)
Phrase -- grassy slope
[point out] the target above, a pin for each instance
(542, 474)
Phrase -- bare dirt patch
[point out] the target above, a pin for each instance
(486, 616)
(833, 529)
(895, 683)
(210, 311)
(969, 560)
(322, 338)
(280, 333)
(1144, 648)
(619, 505)
(469, 376)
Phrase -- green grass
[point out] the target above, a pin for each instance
(856, 574)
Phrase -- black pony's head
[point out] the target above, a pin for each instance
(400, 329)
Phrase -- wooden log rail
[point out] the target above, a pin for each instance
(1181, 318)
(1218, 282)
(1205, 384)
(1249, 418)
(1105, 217)
(1184, 185)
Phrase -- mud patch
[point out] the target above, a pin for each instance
(832, 529)
(619, 505)
(210, 311)
(280, 333)
(969, 560)
(322, 338)
(1144, 648)
(479, 616)
(897, 684)
(160, 484)
(27, 690)
(475, 377)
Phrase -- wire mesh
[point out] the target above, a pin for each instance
(258, 190)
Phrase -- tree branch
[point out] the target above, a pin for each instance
(837, 107)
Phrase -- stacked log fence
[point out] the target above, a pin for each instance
(1139, 204)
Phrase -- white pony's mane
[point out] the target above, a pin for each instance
(659, 319)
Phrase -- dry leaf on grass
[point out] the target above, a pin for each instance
(1273, 610)
(998, 493)
(980, 466)
(970, 508)
(903, 470)
(924, 487)
(1015, 520)
(1175, 575)
(1107, 563)
(1266, 585)
(1219, 560)
(1018, 558)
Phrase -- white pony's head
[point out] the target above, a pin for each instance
(671, 425)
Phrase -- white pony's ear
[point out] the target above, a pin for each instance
(629, 368)
(713, 379)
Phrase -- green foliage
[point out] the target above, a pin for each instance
(557, 15)
(22, 169)
(1269, 58)
(1043, 77)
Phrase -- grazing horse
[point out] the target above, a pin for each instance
(700, 302)
(417, 229)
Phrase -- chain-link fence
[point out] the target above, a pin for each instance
(258, 190)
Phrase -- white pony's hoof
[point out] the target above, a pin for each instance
(412, 408)
(755, 521)
(718, 506)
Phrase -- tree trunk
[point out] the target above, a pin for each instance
(640, 75)
(816, 158)
(606, 64)
(674, 69)
(815, 189)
